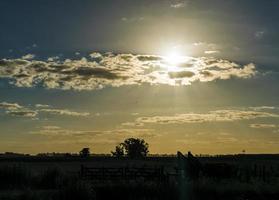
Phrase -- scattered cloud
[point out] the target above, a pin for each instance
(211, 51)
(95, 55)
(28, 57)
(179, 4)
(132, 19)
(263, 126)
(132, 124)
(52, 59)
(226, 140)
(15, 109)
(115, 70)
(212, 116)
(18, 110)
(263, 107)
(23, 113)
(64, 112)
(42, 106)
(259, 34)
(10, 106)
(57, 133)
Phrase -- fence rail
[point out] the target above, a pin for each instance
(157, 174)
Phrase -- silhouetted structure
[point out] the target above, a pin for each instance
(188, 167)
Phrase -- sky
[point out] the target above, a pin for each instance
(184, 75)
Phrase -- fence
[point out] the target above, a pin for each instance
(123, 173)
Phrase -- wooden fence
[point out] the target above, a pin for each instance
(123, 174)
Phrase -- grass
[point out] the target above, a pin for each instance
(18, 182)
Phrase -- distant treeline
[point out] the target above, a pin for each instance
(76, 156)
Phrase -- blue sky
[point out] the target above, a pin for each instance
(183, 75)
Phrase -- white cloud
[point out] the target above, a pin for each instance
(18, 110)
(115, 136)
(42, 106)
(132, 19)
(211, 51)
(179, 4)
(263, 107)
(64, 112)
(23, 113)
(15, 109)
(212, 116)
(263, 126)
(95, 55)
(10, 106)
(28, 57)
(54, 58)
(115, 70)
(259, 34)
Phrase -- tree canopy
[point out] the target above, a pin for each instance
(132, 148)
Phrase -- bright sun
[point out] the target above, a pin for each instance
(173, 59)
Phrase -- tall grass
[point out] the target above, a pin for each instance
(54, 184)
(50, 184)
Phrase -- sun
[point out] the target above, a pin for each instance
(173, 59)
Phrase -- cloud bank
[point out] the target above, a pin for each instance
(212, 116)
(114, 70)
(15, 109)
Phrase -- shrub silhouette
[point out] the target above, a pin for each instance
(85, 152)
(119, 151)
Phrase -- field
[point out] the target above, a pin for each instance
(254, 177)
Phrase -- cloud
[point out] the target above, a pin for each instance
(212, 116)
(54, 58)
(263, 126)
(211, 51)
(263, 107)
(132, 19)
(18, 110)
(132, 124)
(179, 4)
(181, 74)
(55, 133)
(28, 57)
(23, 113)
(15, 109)
(259, 34)
(10, 106)
(115, 70)
(64, 112)
(42, 106)
(95, 55)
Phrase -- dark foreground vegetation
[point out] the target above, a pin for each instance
(130, 173)
(58, 178)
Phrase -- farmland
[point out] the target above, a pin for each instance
(223, 177)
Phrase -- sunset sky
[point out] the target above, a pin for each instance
(184, 75)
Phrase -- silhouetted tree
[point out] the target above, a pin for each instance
(119, 151)
(135, 147)
(85, 152)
